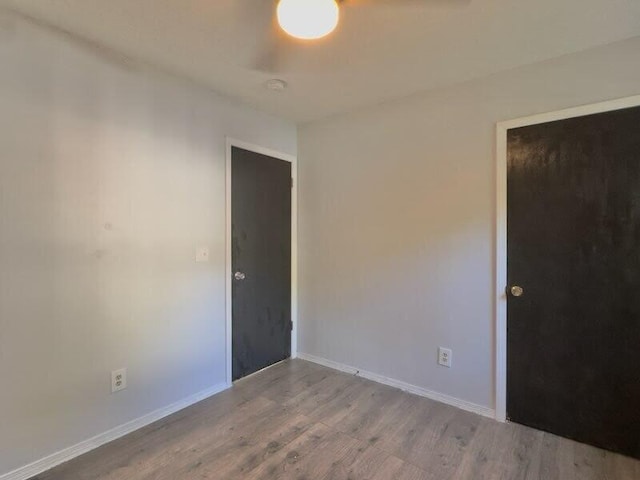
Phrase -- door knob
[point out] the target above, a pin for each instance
(516, 291)
(239, 276)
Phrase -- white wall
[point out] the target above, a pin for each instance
(110, 177)
(397, 220)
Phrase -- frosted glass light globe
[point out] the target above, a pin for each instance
(308, 19)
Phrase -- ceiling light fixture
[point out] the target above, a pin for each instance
(308, 19)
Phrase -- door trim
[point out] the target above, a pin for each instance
(232, 142)
(500, 297)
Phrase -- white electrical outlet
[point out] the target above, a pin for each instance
(444, 357)
(118, 380)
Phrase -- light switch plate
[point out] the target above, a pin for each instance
(202, 254)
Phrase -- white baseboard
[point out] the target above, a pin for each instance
(407, 387)
(44, 464)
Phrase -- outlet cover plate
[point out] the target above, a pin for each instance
(118, 380)
(444, 357)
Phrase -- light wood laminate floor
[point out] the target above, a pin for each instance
(301, 421)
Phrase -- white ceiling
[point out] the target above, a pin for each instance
(382, 49)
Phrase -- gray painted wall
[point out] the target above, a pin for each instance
(397, 220)
(110, 177)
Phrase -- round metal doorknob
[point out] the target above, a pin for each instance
(516, 291)
(239, 276)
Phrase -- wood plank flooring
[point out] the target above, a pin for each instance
(301, 421)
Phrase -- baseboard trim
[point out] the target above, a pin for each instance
(407, 387)
(47, 463)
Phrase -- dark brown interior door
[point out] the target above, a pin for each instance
(573, 341)
(261, 261)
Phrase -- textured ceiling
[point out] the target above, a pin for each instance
(381, 50)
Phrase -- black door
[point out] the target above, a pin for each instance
(573, 353)
(261, 261)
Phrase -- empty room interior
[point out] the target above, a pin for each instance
(319, 240)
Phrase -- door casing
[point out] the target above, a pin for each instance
(500, 297)
(232, 142)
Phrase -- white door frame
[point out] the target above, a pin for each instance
(501, 226)
(232, 142)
